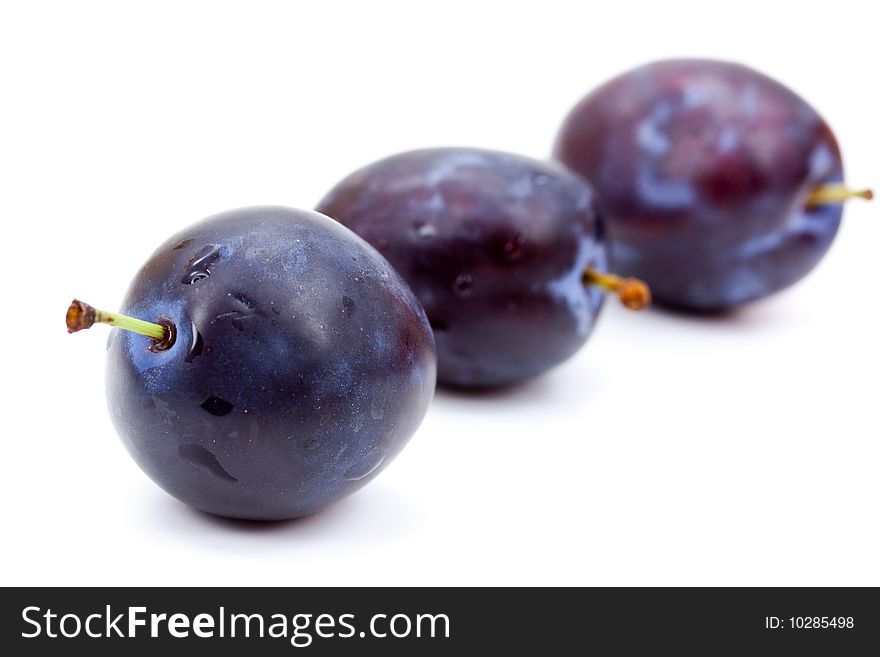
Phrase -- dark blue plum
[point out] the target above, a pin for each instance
(302, 365)
(493, 245)
(705, 169)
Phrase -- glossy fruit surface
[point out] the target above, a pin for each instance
(302, 364)
(704, 169)
(493, 245)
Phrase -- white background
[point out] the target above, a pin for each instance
(668, 451)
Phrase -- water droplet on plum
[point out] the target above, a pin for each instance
(463, 285)
(199, 266)
(513, 248)
(425, 231)
(203, 459)
(217, 406)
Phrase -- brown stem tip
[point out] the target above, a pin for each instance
(79, 316)
(634, 293)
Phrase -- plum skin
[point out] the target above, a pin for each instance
(302, 365)
(704, 168)
(494, 246)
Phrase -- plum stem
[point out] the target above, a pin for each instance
(82, 316)
(632, 292)
(835, 194)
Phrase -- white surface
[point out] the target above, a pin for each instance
(669, 451)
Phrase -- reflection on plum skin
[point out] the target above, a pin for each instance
(750, 316)
(531, 389)
(548, 390)
(260, 526)
(746, 322)
(376, 514)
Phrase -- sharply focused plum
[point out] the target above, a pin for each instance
(288, 363)
(500, 249)
(721, 185)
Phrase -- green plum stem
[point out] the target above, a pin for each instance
(835, 194)
(82, 316)
(632, 292)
